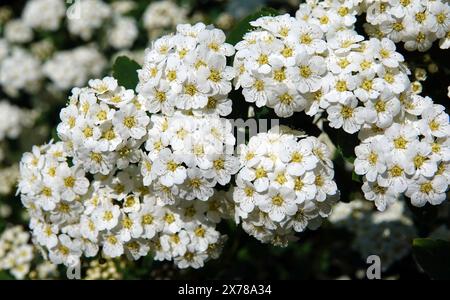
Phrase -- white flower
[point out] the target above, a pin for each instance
(382, 196)
(202, 236)
(20, 71)
(423, 190)
(106, 216)
(346, 115)
(285, 185)
(72, 181)
(216, 76)
(382, 110)
(371, 159)
(169, 167)
(197, 186)
(298, 157)
(131, 122)
(278, 203)
(163, 14)
(112, 246)
(47, 235)
(67, 251)
(385, 51)
(191, 258)
(435, 121)
(420, 156)
(398, 167)
(286, 101)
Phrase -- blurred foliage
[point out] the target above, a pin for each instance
(434, 257)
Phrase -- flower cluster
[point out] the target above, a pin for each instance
(416, 23)
(8, 178)
(285, 185)
(44, 14)
(103, 126)
(292, 65)
(188, 71)
(13, 119)
(123, 33)
(387, 234)
(410, 157)
(74, 67)
(120, 182)
(20, 71)
(186, 156)
(163, 15)
(15, 252)
(86, 16)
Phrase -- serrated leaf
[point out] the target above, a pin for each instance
(244, 26)
(125, 71)
(433, 256)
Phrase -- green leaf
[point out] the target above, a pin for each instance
(244, 26)
(5, 276)
(356, 177)
(125, 71)
(433, 256)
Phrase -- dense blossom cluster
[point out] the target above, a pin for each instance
(20, 71)
(163, 15)
(72, 216)
(74, 67)
(86, 16)
(16, 253)
(286, 184)
(13, 119)
(188, 71)
(8, 178)
(137, 171)
(287, 64)
(44, 14)
(292, 65)
(416, 23)
(387, 234)
(123, 182)
(187, 156)
(410, 157)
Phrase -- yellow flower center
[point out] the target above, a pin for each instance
(396, 171)
(263, 59)
(260, 173)
(171, 166)
(69, 182)
(277, 200)
(380, 106)
(190, 90)
(286, 99)
(280, 75)
(341, 86)
(426, 187)
(101, 115)
(215, 76)
(400, 143)
(346, 112)
(305, 71)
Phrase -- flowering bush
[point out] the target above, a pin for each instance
(165, 156)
